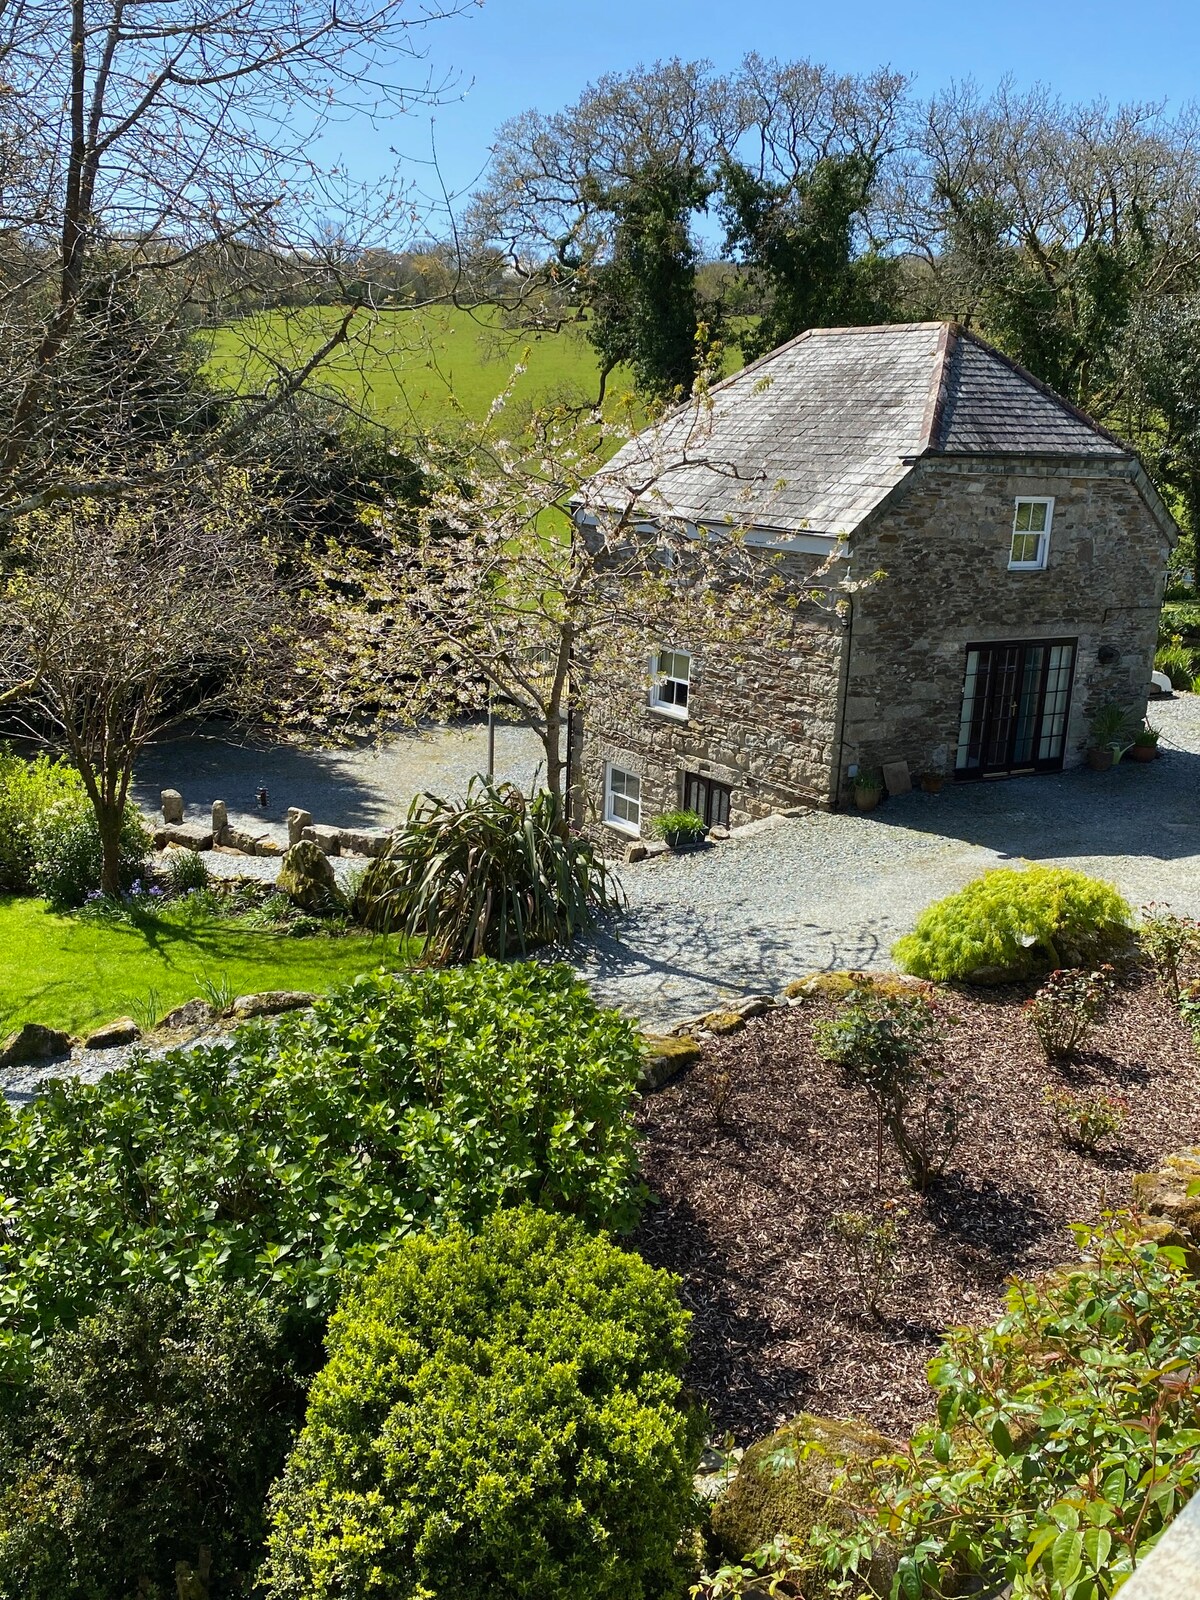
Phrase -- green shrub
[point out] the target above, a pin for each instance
(680, 827)
(69, 855)
(495, 875)
(186, 871)
(29, 789)
(1181, 618)
(1179, 663)
(291, 1152)
(1066, 1437)
(147, 1435)
(500, 1415)
(1021, 922)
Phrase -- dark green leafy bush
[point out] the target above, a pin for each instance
(291, 1153)
(1018, 922)
(1067, 1436)
(68, 853)
(29, 789)
(186, 871)
(498, 874)
(500, 1415)
(888, 1045)
(147, 1436)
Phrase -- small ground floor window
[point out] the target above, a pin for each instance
(708, 798)
(622, 799)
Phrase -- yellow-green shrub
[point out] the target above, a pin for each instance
(1022, 922)
(29, 791)
(500, 1415)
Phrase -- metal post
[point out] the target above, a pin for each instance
(491, 726)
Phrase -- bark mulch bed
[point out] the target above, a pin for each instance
(743, 1202)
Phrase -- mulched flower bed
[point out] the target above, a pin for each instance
(744, 1200)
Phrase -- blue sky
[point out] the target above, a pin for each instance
(510, 55)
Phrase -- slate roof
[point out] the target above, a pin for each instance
(814, 435)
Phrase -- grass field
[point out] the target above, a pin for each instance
(74, 973)
(422, 367)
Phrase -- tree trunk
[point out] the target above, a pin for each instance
(108, 820)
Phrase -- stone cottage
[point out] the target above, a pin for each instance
(1024, 548)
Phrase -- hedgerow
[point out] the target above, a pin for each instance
(1016, 922)
(500, 1415)
(293, 1153)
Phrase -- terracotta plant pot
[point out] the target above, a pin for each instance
(867, 799)
(1100, 759)
(932, 782)
(1144, 752)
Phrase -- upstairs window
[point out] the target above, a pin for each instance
(1030, 535)
(671, 673)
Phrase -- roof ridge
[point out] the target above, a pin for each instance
(1044, 388)
(939, 389)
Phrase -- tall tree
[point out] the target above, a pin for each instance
(170, 161)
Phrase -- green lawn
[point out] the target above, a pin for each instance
(406, 366)
(73, 973)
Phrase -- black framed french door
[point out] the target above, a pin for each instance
(1015, 705)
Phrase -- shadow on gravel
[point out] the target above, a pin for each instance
(1134, 809)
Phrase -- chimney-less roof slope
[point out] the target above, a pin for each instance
(814, 435)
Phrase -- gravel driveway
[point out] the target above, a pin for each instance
(809, 893)
(829, 891)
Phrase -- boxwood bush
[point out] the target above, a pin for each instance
(1019, 922)
(500, 1415)
(293, 1152)
(147, 1436)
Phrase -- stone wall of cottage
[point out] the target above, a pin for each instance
(944, 543)
(761, 719)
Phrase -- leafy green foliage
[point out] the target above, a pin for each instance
(1085, 1118)
(1179, 661)
(500, 1415)
(1067, 1435)
(1170, 943)
(887, 1044)
(644, 304)
(69, 855)
(496, 874)
(680, 827)
(28, 790)
(186, 871)
(1017, 921)
(289, 1154)
(147, 1436)
(1061, 1013)
(798, 240)
(1181, 618)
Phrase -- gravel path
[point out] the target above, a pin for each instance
(832, 891)
(365, 786)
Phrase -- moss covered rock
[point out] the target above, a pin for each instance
(1172, 1193)
(838, 985)
(765, 1499)
(308, 880)
(723, 1021)
(667, 1054)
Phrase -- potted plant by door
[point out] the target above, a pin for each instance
(680, 830)
(1110, 736)
(932, 781)
(868, 788)
(1145, 743)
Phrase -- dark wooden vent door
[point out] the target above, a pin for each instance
(1016, 699)
(708, 797)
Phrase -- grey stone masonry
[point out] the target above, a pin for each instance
(943, 541)
(761, 719)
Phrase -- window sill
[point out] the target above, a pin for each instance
(1027, 566)
(618, 825)
(672, 713)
